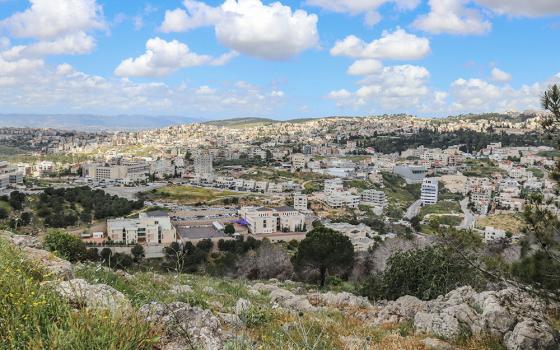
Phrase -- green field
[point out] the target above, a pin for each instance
(190, 194)
(481, 168)
(441, 207)
(507, 222)
(398, 192)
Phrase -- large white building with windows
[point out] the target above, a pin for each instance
(374, 198)
(300, 201)
(126, 171)
(149, 228)
(269, 220)
(203, 167)
(429, 191)
(9, 175)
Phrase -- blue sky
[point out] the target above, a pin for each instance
(286, 59)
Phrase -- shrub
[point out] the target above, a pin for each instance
(65, 245)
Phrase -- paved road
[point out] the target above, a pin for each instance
(469, 219)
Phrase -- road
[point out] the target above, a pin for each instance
(413, 210)
(469, 219)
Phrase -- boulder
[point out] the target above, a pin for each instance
(261, 287)
(242, 306)
(185, 326)
(22, 240)
(80, 293)
(54, 265)
(437, 344)
(231, 320)
(338, 300)
(180, 289)
(289, 300)
(401, 310)
(532, 335)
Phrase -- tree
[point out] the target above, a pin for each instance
(137, 252)
(106, 254)
(205, 245)
(324, 250)
(25, 218)
(229, 229)
(550, 101)
(92, 254)
(65, 245)
(3, 213)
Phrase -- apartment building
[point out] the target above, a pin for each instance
(9, 175)
(203, 165)
(342, 199)
(149, 228)
(429, 191)
(126, 171)
(269, 220)
(375, 198)
(298, 161)
(333, 185)
(300, 201)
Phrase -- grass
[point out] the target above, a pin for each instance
(6, 205)
(549, 154)
(10, 151)
(32, 316)
(398, 192)
(482, 168)
(538, 173)
(441, 207)
(190, 194)
(507, 222)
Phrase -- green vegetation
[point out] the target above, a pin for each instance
(65, 245)
(10, 151)
(482, 168)
(189, 194)
(32, 316)
(241, 123)
(424, 273)
(359, 184)
(507, 222)
(538, 173)
(400, 194)
(65, 207)
(326, 251)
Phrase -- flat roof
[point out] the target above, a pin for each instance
(199, 232)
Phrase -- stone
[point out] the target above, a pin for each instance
(209, 290)
(289, 300)
(231, 320)
(401, 310)
(532, 335)
(437, 344)
(442, 325)
(54, 265)
(80, 293)
(339, 300)
(242, 306)
(261, 287)
(22, 240)
(181, 288)
(185, 326)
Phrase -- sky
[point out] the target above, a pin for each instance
(278, 59)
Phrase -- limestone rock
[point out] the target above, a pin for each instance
(242, 306)
(401, 310)
(437, 344)
(338, 300)
(181, 288)
(185, 326)
(54, 265)
(80, 293)
(289, 300)
(532, 335)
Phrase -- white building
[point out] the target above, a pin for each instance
(429, 191)
(300, 201)
(269, 220)
(491, 233)
(203, 166)
(298, 161)
(126, 171)
(333, 185)
(9, 175)
(374, 198)
(342, 199)
(149, 228)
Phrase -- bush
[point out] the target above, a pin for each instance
(65, 245)
(423, 273)
(3, 213)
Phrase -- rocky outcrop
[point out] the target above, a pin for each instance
(338, 300)
(185, 326)
(242, 306)
(80, 293)
(292, 301)
(532, 334)
(180, 289)
(401, 310)
(21, 240)
(55, 266)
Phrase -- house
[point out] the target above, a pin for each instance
(9, 175)
(374, 198)
(300, 201)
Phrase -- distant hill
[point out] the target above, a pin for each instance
(242, 122)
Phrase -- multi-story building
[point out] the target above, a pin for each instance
(203, 165)
(342, 199)
(298, 161)
(269, 220)
(374, 198)
(149, 228)
(429, 191)
(300, 201)
(9, 175)
(333, 185)
(126, 171)
(412, 174)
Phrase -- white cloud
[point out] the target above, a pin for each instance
(500, 76)
(61, 27)
(365, 67)
(277, 93)
(524, 8)
(30, 86)
(397, 45)
(164, 57)
(392, 88)
(205, 90)
(4, 42)
(367, 7)
(248, 26)
(452, 17)
(48, 19)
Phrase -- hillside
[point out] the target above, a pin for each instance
(49, 303)
(239, 123)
